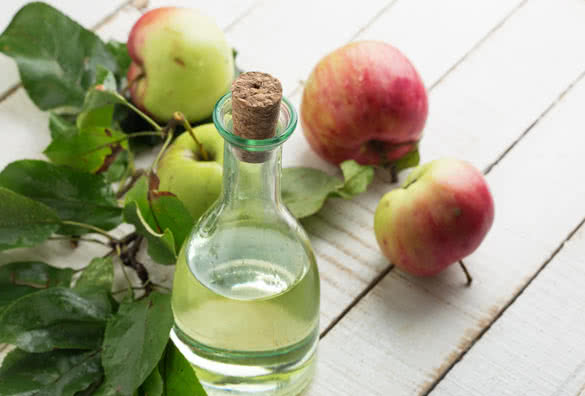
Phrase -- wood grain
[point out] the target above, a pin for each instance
(87, 13)
(408, 331)
(536, 348)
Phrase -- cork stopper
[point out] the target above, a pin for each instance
(256, 99)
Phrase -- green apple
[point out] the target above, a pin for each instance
(439, 216)
(180, 62)
(183, 171)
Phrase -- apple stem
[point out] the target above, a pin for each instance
(179, 117)
(467, 274)
(169, 129)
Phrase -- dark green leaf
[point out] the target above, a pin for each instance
(55, 373)
(153, 386)
(409, 160)
(357, 178)
(60, 127)
(24, 222)
(98, 116)
(74, 195)
(56, 56)
(88, 150)
(120, 52)
(178, 376)
(161, 246)
(134, 343)
(22, 278)
(99, 273)
(56, 318)
(161, 213)
(122, 164)
(305, 190)
(170, 213)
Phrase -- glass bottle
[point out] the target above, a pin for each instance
(246, 290)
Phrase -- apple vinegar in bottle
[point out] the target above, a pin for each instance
(246, 290)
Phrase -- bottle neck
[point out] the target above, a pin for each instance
(251, 181)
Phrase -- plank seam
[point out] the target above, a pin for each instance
(477, 45)
(531, 126)
(455, 65)
(243, 15)
(10, 91)
(505, 308)
(356, 300)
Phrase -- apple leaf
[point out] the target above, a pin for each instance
(160, 217)
(357, 178)
(153, 385)
(409, 160)
(99, 273)
(60, 126)
(177, 374)
(305, 190)
(90, 150)
(24, 222)
(54, 73)
(80, 196)
(54, 373)
(161, 246)
(22, 278)
(119, 51)
(58, 317)
(134, 343)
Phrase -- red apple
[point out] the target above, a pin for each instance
(180, 62)
(439, 216)
(364, 101)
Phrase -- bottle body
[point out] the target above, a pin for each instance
(246, 290)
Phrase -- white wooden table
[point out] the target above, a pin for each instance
(507, 93)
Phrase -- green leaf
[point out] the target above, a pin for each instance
(178, 375)
(134, 343)
(123, 163)
(100, 96)
(153, 386)
(120, 52)
(98, 116)
(24, 222)
(60, 127)
(22, 278)
(305, 190)
(56, 318)
(99, 273)
(171, 214)
(357, 178)
(161, 246)
(56, 57)
(90, 150)
(74, 195)
(159, 216)
(55, 373)
(409, 160)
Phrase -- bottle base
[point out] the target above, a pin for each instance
(285, 372)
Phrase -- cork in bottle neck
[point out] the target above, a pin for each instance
(256, 100)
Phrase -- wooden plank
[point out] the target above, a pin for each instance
(408, 331)
(225, 12)
(347, 226)
(537, 347)
(87, 13)
(286, 38)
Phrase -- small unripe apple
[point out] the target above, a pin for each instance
(180, 62)
(183, 171)
(440, 215)
(364, 101)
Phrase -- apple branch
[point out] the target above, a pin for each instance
(179, 117)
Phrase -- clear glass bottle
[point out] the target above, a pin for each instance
(246, 290)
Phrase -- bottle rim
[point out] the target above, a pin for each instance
(222, 121)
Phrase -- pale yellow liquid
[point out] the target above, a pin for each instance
(249, 314)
